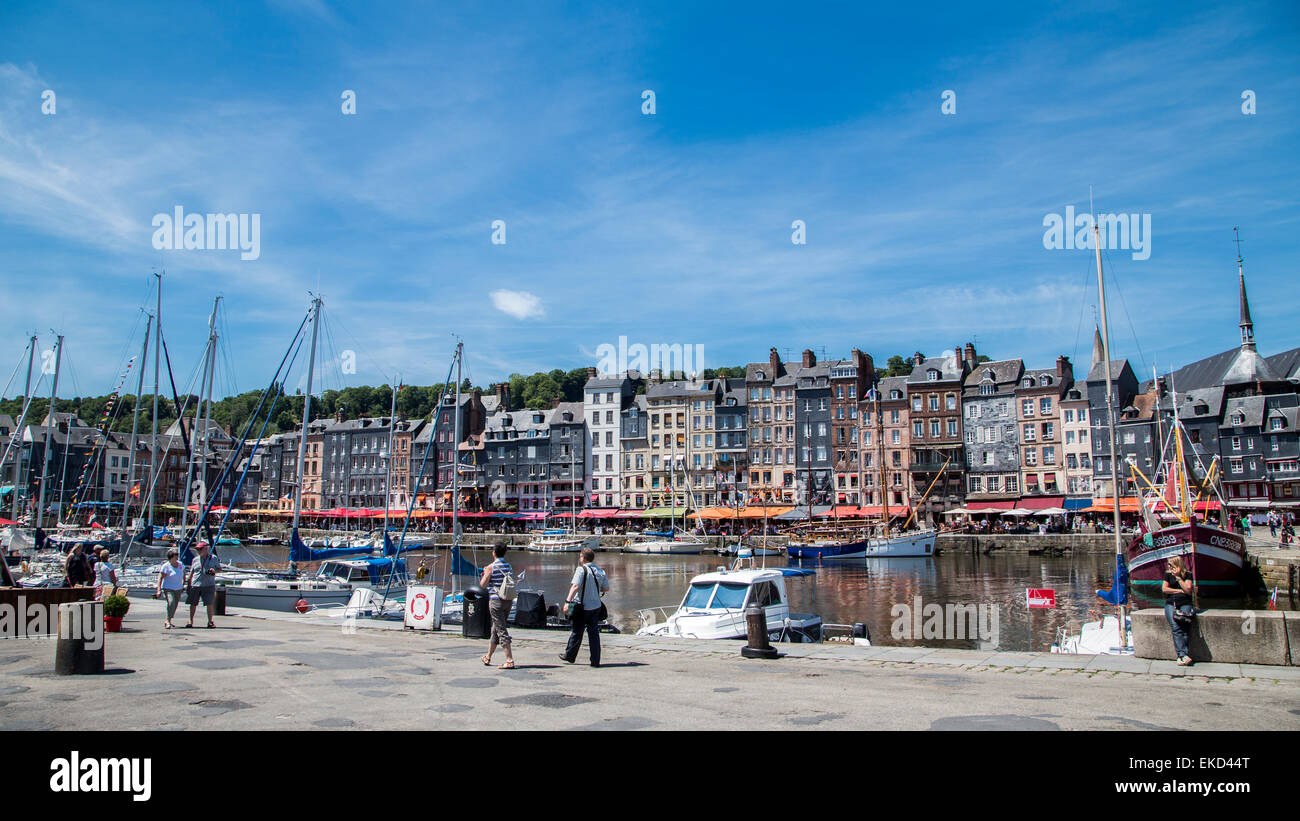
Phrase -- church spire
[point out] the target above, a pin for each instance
(1098, 352)
(1247, 326)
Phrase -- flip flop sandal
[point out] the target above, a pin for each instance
(487, 662)
(211, 625)
(509, 665)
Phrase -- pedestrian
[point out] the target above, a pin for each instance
(1177, 588)
(201, 582)
(494, 575)
(584, 607)
(78, 571)
(1245, 525)
(1288, 535)
(1272, 523)
(105, 576)
(171, 580)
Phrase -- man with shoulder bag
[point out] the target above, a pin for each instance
(584, 607)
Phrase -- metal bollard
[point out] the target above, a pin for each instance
(80, 646)
(219, 601)
(756, 631)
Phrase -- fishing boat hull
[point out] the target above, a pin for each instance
(1213, 556)
(915, 544)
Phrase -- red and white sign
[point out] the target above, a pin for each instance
(423, 608)
(1040, 598)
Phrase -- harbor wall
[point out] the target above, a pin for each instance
(1054, 544)
(1230, 636)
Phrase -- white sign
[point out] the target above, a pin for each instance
(423, 608)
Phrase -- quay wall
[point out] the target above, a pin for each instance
(1229, 636)
(1053, 543)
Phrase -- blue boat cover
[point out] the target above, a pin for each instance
(460, 566)
(300, 552)
(795, 571)
(1118, 593)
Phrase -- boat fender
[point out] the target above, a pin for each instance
(301, 606)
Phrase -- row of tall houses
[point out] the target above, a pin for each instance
(955, 430)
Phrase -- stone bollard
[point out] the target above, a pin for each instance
(79, 649)
(219, 601)
(756, 631)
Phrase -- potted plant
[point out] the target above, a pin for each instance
(115, 607)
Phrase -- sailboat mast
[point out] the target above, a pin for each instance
(880, 456)
(157, 376)
(27, 398)
(49, 433)
(388, 478)
(306, 412)
(135, 427)
(199, 447)
(1110, 413)
(455, 454)
(207, 410)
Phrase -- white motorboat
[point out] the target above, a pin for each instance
(284, 594)
(561, 541)
(667, 542)
(1096, 638)
(714, 608)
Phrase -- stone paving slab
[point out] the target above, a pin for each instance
(1119, 664)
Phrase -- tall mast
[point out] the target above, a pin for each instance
(135, 427)
(388, 478)
(1110, 414)
(455, 455)
(199, 448)
(27, 396)
(573, 470)
(157, 363)
(49, 433)
(306, 412)
(207, 409)
(880, 456)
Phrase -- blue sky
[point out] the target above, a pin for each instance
(924, 230)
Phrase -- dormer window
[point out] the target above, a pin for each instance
(895, 394)
(1027, 382)
(988, 374)
(1201, 409)
(932, 375)
(1044, 380)
(1239, 419)
(759, 375)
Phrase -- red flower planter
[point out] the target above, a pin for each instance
(113, 624)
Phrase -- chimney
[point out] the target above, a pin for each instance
(918, 358)
(1063, 367)
(338, 415)
(555, 403)
(956, 357)
(774, 361)
(503, 394)
(809, 358)
(591, 373)
(970, 354)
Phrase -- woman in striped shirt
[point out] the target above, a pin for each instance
(498, 607)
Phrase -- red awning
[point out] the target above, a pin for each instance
(1037, 502)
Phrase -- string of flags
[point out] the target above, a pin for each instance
(105, 419)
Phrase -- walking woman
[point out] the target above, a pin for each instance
(1177, 588)
(171, 581)
(498, 608)
(76, 567)
(584, 607)
(105, 576)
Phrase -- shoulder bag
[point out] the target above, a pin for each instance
(509, 588)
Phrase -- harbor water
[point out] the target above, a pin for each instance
(869, 591)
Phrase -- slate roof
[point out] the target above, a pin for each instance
(1208, 372)
(1098, 372)
(949, 368)
(1005, 372)
(1211, 397)
(1251, 406)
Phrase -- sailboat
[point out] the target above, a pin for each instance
(565, 540)
(675, 540)
(886, 544)
(1109, 634)
(281, 593)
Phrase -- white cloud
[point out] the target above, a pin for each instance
(519, 304)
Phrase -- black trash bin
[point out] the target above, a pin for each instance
(219, 601)
(476, 622)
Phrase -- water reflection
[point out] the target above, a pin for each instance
(858, 590)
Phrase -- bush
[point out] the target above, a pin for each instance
(116, 605)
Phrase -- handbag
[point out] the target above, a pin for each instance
(602, 613)
(509, 588)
